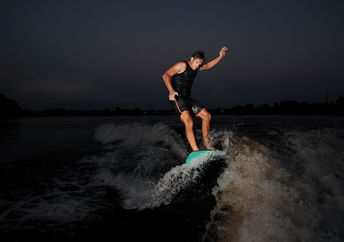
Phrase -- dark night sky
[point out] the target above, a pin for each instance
(103, 54)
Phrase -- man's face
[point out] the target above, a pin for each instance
(195, 62)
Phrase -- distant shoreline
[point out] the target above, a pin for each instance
(10, 108)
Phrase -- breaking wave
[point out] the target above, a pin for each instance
(290, 191)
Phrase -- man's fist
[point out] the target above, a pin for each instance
(172, 96)
(223, 51)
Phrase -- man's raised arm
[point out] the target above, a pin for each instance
(214, 61)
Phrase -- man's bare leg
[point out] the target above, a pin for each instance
(206, 117)
(187, 120)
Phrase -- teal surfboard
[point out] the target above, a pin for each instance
(197, 154)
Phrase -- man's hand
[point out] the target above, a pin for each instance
(172, 96)
(223, 51)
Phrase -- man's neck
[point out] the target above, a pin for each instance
(191, 66)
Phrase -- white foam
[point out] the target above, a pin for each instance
(150, 175)
(165, 189)
(140, 191)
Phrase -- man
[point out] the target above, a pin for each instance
(178, 80)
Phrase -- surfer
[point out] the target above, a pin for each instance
(178, 80)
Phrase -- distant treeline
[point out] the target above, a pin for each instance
(10, 108)
(287, 108)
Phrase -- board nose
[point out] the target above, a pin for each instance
(197, 154)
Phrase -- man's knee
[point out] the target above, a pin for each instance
(206, 116)
(187, 120)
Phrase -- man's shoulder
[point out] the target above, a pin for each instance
(182, 63)
(181, 66)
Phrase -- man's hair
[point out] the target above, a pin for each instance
(199, 54)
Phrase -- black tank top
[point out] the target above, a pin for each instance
(182, 82)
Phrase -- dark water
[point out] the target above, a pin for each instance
(274, 178)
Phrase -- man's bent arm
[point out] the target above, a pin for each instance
(167, 79)
(177, 68)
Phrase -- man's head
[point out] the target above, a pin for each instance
(197, 59)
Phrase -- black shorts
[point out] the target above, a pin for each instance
(187, 104)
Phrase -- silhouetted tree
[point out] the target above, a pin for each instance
(8, 107)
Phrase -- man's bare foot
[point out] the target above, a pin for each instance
(209, 147)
